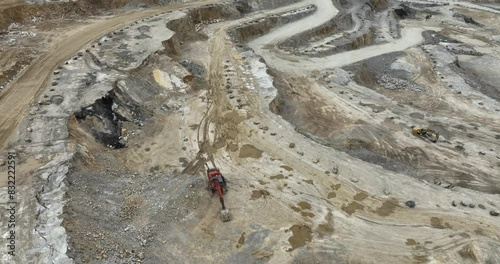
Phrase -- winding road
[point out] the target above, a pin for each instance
(266, 46)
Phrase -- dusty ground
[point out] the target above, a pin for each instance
(115, 120)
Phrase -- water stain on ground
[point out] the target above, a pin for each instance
(352, 207)
(309, 181)
(410, 242)
(387, 207)
(304, 205)
(208, 149)
(464, 235)
(307, 214)
(241, 241)
(277, 177)
(234, 117)
(421, 259)
(336, 187)
(301, 234)
(438, 223)
(326, 229)
(184, 162)
(296, 209)
(232, 147)
(331, 195)
(249, 151)
(288, 168)
(258, 194)
(360, 196)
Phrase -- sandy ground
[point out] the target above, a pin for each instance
(303, 187)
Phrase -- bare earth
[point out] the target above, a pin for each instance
(317, 148)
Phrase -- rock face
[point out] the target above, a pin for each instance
(103, 119)
(337, 75)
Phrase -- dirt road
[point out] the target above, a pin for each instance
(17, 98)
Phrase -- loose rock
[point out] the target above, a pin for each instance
(410, 204)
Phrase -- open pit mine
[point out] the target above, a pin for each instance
(250, 131)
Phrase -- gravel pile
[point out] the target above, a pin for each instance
(392, 83)
(336, 75)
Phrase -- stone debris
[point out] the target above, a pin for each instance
(393, 83)
(336, 75)
(410, 204)
(335, 169)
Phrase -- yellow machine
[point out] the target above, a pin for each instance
(428, 134)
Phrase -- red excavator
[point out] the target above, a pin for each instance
(217, 183)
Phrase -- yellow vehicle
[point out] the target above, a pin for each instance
(428, 134)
